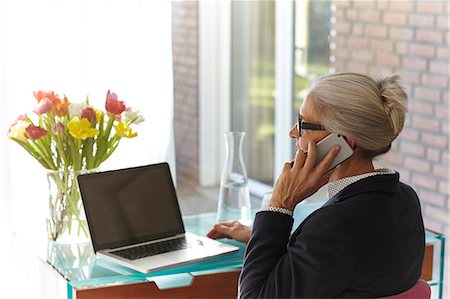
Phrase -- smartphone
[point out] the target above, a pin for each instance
(326, 144)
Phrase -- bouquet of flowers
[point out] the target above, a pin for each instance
(68, 139)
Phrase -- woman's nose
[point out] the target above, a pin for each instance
(293, 133)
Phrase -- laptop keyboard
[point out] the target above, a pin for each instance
(152, 249)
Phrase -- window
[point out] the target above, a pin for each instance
(253, 84)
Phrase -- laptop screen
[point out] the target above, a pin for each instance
(129, 206)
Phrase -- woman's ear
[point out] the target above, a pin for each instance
(351, 142)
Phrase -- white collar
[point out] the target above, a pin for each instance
(335, 187)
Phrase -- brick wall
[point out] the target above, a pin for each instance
(185, 66)
(410, 38)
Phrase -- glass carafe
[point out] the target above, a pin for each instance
(234, 196)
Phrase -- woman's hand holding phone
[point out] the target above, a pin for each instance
(302, 177)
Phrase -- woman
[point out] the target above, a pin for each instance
(368, 238)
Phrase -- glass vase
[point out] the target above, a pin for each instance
(234, 194)
(66, 221)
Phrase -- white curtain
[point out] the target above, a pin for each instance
(81, 48)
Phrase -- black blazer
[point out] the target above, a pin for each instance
(367, 241)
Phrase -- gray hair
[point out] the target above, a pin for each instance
(371, 112)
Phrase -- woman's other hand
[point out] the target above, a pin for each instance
(230, 230)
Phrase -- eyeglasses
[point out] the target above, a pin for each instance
(302, 125)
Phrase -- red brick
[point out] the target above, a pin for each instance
(425, 181)
(357, 29)
(410, 134)
(341, 53)
(388, 59)
(364, 4)
(339, 65)
(440, 67)
(426, 123)
(362, 56)
(376, 70)
(369, 16)
(409, 76)
(394, 18)
(436, 140)
(342, 3)
(404, 6)
(445, 155)
(402, 48)
(401, 33)
(431, 197)
(441, 171)
(429, 36)
(444, 128)
(382, 45)
(421, 107)
(377, 30)
(357, 42)
(357, 67)
(382, 5)
(393, 158)
(419, 165)
(435, 81)
(422, 50)
(414, 63)
(444, 187)
(340, 40)
(425, 93)
(352, 14)
(342, 27)
(443, 53)
(421, 21)
(441, 112)
(433, 154)
(412, 148)
(442, 22)
(438, 214)
(431, 7)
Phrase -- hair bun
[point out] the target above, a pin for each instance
(394, 100)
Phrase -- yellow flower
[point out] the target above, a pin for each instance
(124, 131)
(81, 128)
(99, 114)
(17, 130)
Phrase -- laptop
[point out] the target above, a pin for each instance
(134, 220)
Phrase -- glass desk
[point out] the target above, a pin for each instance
(83, 271)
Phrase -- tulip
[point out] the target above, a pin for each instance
(60, 106)
(124, 131)
(34, 132)
(44, 106)
(134, 116)
(75, 109)
(17, 130)
(81, 128)
(113, 105)
(58, 128)
(89, 114)
(39, 95)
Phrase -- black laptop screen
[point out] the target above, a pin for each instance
(129, 206)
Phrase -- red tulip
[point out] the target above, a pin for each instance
(34, 132)
(89, 114)
(113, 105)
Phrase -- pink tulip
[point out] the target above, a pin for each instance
(113, 105)
(89, 114)
(44, 106)
(35, 132)
(58, 128)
